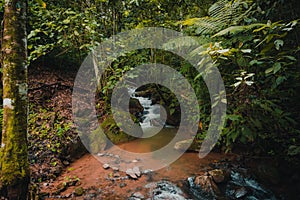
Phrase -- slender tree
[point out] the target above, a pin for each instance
(14, 168)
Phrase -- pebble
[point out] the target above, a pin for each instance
(137, 171)
(66, 163)
(115, 168)
(134, 161)
(138, 195)
(131, 173)
(121, 185)
(106, 166)
(100, 154)
(46, 184)
(146, 171)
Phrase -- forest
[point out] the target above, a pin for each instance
(148, 99)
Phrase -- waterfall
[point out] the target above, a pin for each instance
(151, 114)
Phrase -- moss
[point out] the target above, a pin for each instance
(13, 157)
(113, 132)
(97, 141)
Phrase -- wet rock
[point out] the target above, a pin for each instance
(165, 190)
(131, 173)
(243, 186)
(241, 192)
(203, 187)
(78, 191)
(137, 171)
(105, 166)
(219, 175)
(135, 107)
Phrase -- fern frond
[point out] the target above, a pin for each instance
(222, 14)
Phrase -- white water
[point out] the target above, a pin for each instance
(152, 114)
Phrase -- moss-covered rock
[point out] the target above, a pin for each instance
(114, 133)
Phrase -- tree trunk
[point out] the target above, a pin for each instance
(14, 168)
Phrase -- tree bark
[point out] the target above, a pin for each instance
(14, 168)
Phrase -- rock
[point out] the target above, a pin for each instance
(78, 191)
(121, 185)
(45, 184)
(115, 168)
(117, 175)
(241, 192)
(206, 184)
(105, 166)
(204, 187)
(165, 190)
(184, 145)
(135, 107)
(138, 195)
(66, 163)
(100, 154)
(219, 175)
(131, 173)
(137, 171)
(134, 161)
(146, 171)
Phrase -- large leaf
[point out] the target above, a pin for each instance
(236, 29)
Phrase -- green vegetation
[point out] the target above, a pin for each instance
(255, 45)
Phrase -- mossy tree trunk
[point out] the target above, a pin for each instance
(14, 169)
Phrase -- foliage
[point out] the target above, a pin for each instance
(259, 67)
(253, 43)
(48, 132)
(221, 14)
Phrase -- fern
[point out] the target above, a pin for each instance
(222, 14)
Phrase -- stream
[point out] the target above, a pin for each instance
(123, 172)
(237, 184)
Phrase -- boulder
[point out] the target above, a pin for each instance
(219, 175)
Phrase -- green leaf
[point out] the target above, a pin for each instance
(276, 67)
(236, 29)
(269, 70)
(278, 44)
(66, 21)
(291, 58)
(233, 117)
(255, 62)
(280, 79)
